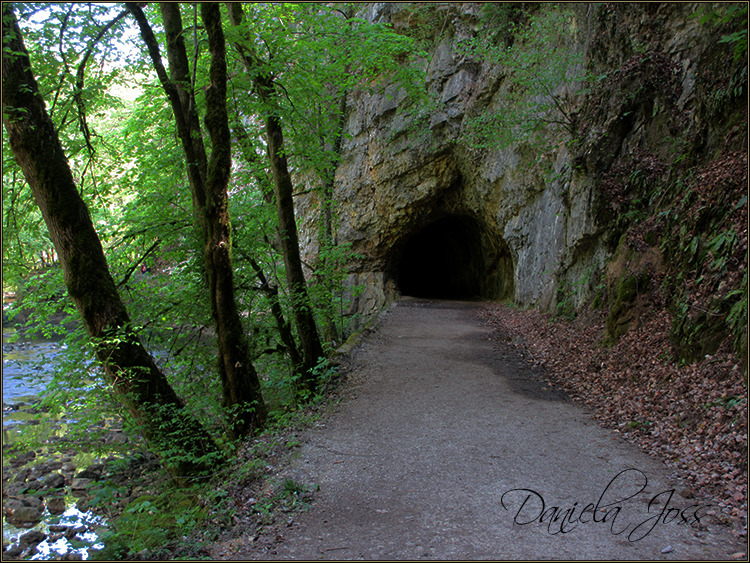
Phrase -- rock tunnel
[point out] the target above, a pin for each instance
(454, 257)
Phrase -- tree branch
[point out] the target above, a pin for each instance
(139, 261)
(285, 330)
(77, 94)
(183, 130)
(63, 27)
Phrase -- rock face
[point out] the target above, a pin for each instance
(433, 215)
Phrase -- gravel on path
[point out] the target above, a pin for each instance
(445, 445)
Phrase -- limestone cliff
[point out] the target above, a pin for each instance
(431, 213)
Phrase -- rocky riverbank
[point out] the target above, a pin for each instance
(68, 505)
(57, 504)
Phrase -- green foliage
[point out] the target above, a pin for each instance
(317, 54)
(118, 133)
(726, 85)
(726, 402)
(104, 497)
(733, 16)
(543, 78)
(426, 23)
(324, 372)
(327, 294)
(721, 98)
(709, 295)
(737, 317)
(499, 22)
(565, 307)
(568, 293)
(282, 419)
(26, 245)
(151, 521)
(288, 495)
(637, 424)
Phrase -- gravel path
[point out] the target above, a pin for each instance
(438, 429)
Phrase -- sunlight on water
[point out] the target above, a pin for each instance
(27, 368)
(71, 518)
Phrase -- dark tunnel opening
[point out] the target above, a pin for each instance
(445, 260)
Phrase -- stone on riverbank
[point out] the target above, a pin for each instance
(93, 472)
(13, 552)
(72, 532)
(22, 475)
(33, 537)
(79, 486)
(22, 458)
(56, 505)
(54, 481)
(24, 516)
(31, 501)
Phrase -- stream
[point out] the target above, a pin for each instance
(27, 369)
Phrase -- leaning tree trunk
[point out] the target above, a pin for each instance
(185, 447)
(209, 179)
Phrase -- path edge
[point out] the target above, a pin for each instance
(348, 349)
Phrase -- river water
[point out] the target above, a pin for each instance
(27, 369)
(28, 366)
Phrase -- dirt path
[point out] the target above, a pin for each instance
(438, 425)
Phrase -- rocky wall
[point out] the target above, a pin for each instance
(538, 214)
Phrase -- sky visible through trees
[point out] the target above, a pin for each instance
(192, 215)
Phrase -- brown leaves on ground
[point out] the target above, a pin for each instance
(694, 417)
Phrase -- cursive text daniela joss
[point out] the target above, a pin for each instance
(530, 507)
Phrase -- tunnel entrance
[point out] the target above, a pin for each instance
(446, 260)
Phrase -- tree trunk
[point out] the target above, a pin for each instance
(179, 74)
(240, 380)
(285, 331)
(208, 181)
(312, 349)
(185, 447)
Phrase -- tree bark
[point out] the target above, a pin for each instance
(179, 74)
(272, 292)
(185, 447)
(239, 378)
(312, 349)
(209, 179)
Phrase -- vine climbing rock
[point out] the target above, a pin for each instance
(448, 445)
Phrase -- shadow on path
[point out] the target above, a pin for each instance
(438, 429)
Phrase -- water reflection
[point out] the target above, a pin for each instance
(28, 366)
